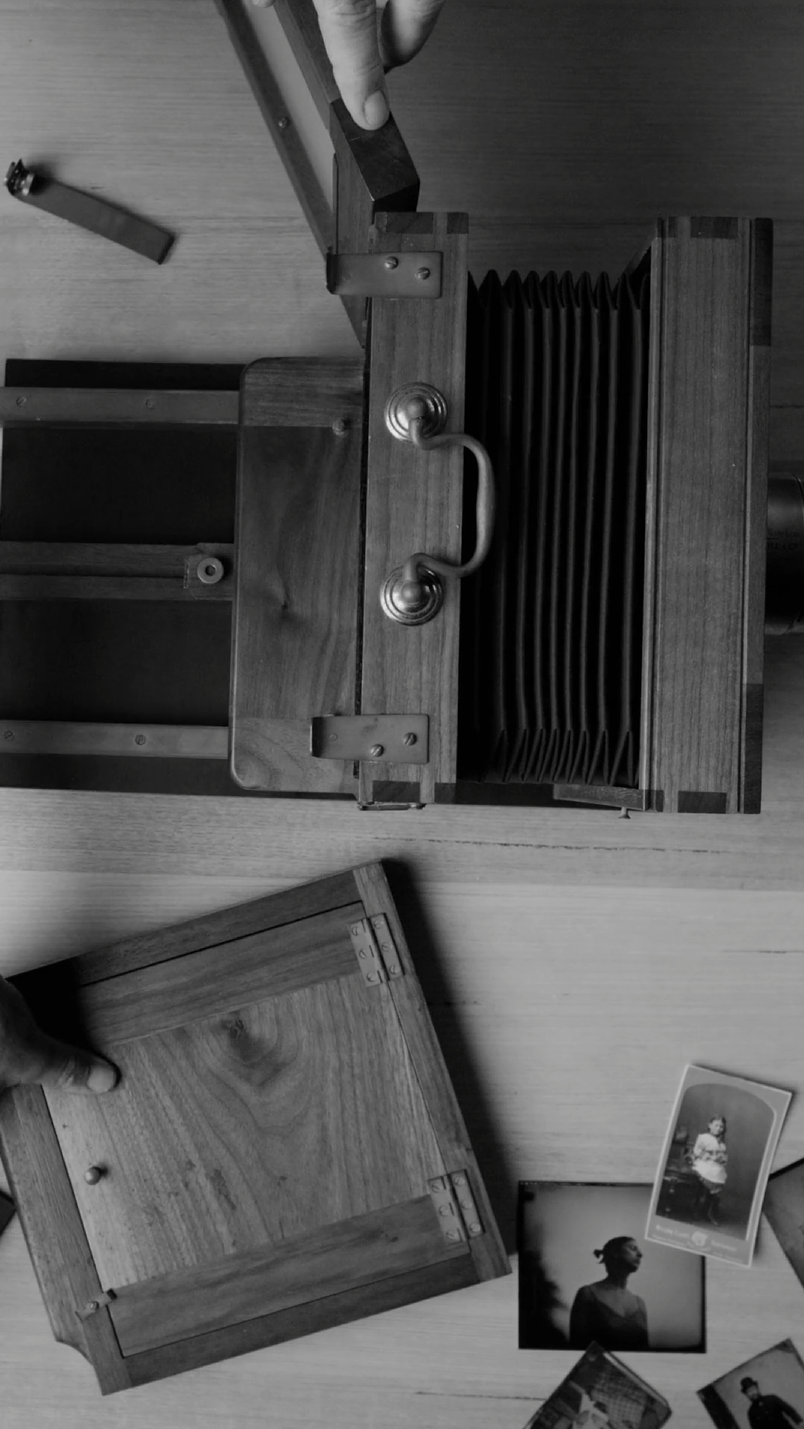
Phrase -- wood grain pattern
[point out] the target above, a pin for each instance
(302, 392)
(159, 588)
(179, 991)
(257, 68)
(296, 602)
(452, 1273)
(270, 1121)
(79, 558)
(207, 931)
(703, 584)
(303, 1269)
(414, 498)
(54, 1232)
(488, 1251)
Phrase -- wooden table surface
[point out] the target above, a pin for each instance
(574, 961)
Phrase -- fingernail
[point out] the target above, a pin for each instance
(102, 1077)
(375, 109)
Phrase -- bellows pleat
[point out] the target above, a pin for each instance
(551, 626)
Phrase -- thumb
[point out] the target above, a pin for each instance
(65, 1068)
(28, 1055)
(349, 31)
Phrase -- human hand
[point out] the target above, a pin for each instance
(363, 39)
(28, 1055)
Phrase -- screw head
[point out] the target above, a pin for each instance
(393, 970)
(150, 403)
(362, 953)
(376, 750)
(444, 1211)
(355, 929)
(139, 739)
(422, 274)
(474, 1227)
(91, 1307)
(409, 739)
(284, 122)
(92, 1175)
(371, 977)
(459, 1180)
(8, 734)
(392, 263)
(453, 1235)
(341, 427)
(21, 401)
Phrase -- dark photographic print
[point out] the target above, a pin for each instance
(766, 1392)
(714, 1165)
(586, 1273)
(784, 1208)
(601, 1393)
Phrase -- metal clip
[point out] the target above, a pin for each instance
(385, 275)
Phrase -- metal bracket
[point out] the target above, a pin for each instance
(385, 275)
(455, 1207)
(93, 1306)
(376, 951)
(396, 739)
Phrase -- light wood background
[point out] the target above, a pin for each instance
(573, 961)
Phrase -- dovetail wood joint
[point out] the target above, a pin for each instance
(376, 950)
(455, 1207)
(93, 1306)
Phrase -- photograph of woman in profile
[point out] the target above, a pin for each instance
(607, 1311)
(709, 1159)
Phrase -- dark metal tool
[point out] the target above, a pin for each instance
(89, 212)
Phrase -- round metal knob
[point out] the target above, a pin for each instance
(411, 601)
(92, 1175)
(209, 570)
(417, 402)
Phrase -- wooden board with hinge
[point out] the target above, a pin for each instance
(283, 1151)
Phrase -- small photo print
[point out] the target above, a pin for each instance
(586, 1273)
(784, 1208)
(601, 1393)
(766, 1392)
(714, 1165)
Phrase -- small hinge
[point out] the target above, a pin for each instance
(384, 275)
(375, 949)
(93, 1306)
(455, 1207)
(394, 739)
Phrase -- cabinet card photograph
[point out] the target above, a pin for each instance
(586, 1273)
(766, 1392)
(601, 1393)
(714, 1165)
(784, 1208)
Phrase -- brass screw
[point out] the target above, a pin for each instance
(362, 953)
(21, 401)
(459, 1180)
(376, 750)
(392, 262)
(340, 428)
(150, 403)
(371, 977)
(393, 970)
(92, 1175)
(8, 734)
(422, 273)
(139, 739)
(453, 1235)
(444, 1211)
(91, 1307)
(467, 1205)
(355, 928)
(474, 1227)
(284, 122)
(409, 739)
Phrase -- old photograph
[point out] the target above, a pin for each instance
(766, 1392)
(784, 1208)
(601, 1393)
(586, 1273)
(714, 1165)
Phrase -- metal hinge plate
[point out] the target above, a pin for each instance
(376, 950)
(455, 1207)
(396, 739)
(93, 1306)
(384, 275)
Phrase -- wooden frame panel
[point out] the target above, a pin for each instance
(705, 559)
(377, 1250)
(391, 1241)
